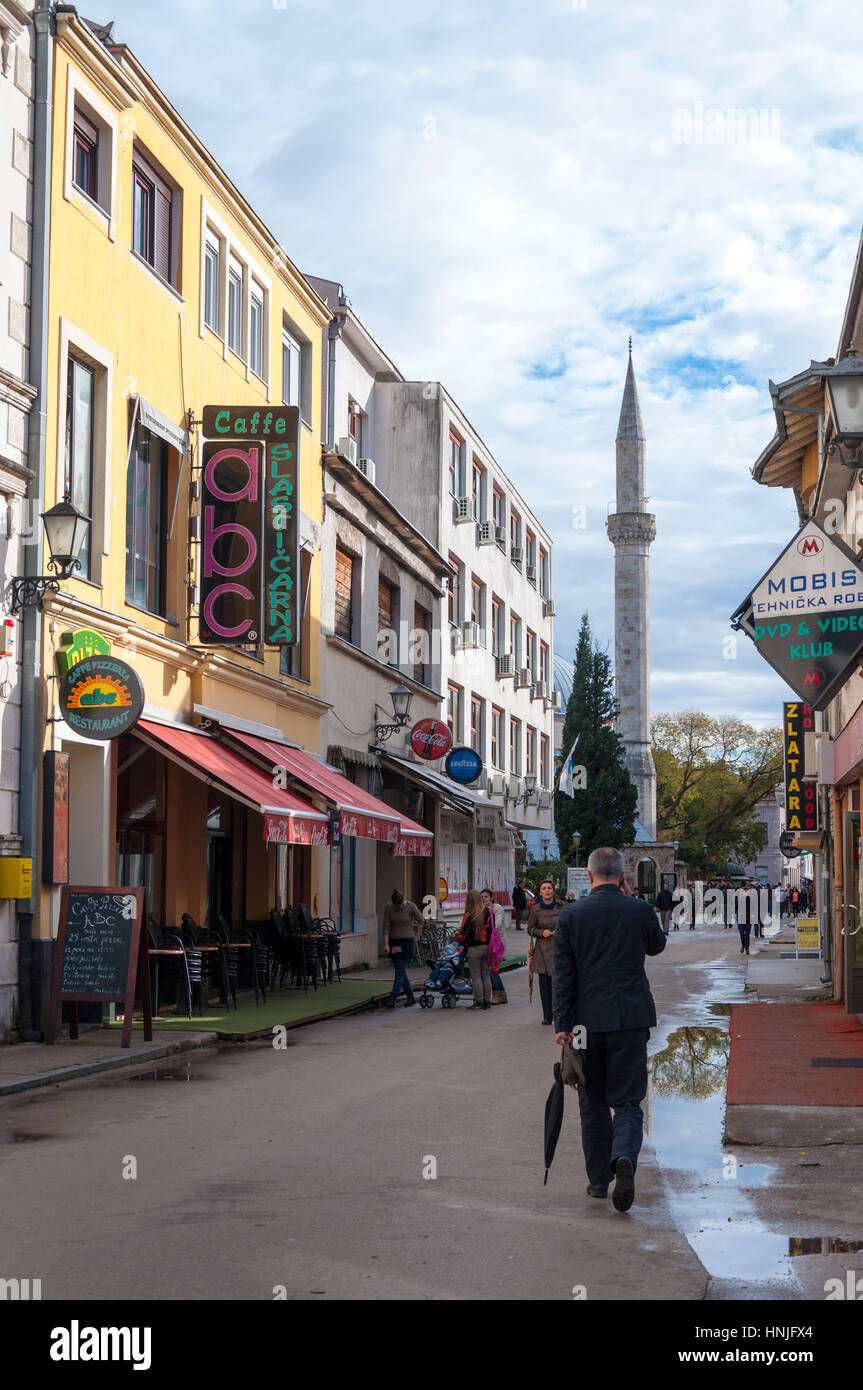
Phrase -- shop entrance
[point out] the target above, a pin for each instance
(851, 918)
(220, 858)
(141, 822)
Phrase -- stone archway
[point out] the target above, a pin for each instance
(646, 882)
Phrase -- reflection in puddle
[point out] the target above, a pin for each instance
(182, 1072)
(822, 1245)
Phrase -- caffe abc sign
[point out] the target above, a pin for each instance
(101, 697)
(805, 616)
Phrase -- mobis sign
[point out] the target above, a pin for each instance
(806, 615)
(249, 534)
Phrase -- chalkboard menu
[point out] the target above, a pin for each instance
(100, 954)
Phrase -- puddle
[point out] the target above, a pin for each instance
(707, 1187)
(23, 1137)
(182, 1072)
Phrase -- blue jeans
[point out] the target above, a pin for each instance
(401, 959)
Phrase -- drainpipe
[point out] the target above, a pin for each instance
(32, 964)
(825, 859)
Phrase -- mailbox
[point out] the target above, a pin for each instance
(16, 877)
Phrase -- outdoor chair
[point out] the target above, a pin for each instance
(260, 962)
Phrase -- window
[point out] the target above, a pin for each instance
(291, 370)
(545, 665)
(235, 306)
(478, 492)
(514, 529)
(545, 766)
(212, 278)
(455, 587)
(530, 552)
(296, 660)
(85, 155)
(146, 521)
(530, 751)
(515, 746)
(496, 627)
(152, 218)
(456, 463)
(476, 724)
(256, 331)
(543, 572)
(453, 711)
(355, 427)
(496, 737)
(476, 603)
(421, 652)
(78, 482)
(387, 621)
(499, 508)
(515, 638)
(530, 652)
(344, 614)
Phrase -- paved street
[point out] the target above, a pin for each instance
(304, 1168)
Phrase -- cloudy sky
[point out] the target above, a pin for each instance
(507, 190)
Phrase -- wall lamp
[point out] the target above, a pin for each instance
(401, 698)
(65, 532)
(844, 384)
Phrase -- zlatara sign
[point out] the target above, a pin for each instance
(249, 534)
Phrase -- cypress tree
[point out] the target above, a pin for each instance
(603, 811)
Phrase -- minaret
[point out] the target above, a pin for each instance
(631, 529)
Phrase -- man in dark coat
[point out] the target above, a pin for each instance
(600, 985)
(664, 906)
(519, 902)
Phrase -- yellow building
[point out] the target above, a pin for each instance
(167, 294)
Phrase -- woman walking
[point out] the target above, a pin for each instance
(475, 934)
(497, 949)
(541, 925)
(400, 920)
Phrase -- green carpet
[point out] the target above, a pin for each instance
(289, 1006)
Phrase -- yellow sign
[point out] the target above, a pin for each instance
(16, 877)
(808, 935)
(442, 890)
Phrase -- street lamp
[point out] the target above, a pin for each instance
(545, 840)
(576, 841)
(401, 698)
(65, 532)
(844, 384)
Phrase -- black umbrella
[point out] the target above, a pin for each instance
(553, 1119)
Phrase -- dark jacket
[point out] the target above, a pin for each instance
(467, 936)
(599, 949)
(540, 919)
(519, 899)
(665, 900)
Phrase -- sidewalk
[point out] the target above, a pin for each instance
(25, 1066)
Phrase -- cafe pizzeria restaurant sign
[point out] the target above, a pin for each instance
(101, 697)
(806, 615)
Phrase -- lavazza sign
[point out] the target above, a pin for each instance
(249, 534)
(805, 615)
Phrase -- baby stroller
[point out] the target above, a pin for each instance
(445, 980)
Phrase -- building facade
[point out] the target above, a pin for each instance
(17, 39)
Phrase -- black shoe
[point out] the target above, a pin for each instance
(593, 1191)
(548, 1021)
(477, 1005)
(391, 1002)
(409, 1003)
(624, 1188)
(486, 1005)
(747, 950)
(742, 949)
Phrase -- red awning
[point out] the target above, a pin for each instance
(288, 818)
(360, 813)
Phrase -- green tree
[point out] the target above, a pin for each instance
(603, 811)
(710, 776)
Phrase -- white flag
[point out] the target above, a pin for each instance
(564, 777)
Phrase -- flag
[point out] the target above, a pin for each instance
(564, 777)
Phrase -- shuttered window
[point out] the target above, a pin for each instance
(152, 216)
(421, 643)
(344, 616)
(386, 617)
(85, 168)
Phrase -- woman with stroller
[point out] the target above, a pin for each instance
(498, 993)
(475, 937)
(541, 925)
(400, 919)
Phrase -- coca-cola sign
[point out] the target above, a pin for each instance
(431, 738)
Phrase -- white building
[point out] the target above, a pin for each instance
(491, 646)
(16, 396)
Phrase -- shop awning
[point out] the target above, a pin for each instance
(288, 818)
(461, 798)
(360, 813)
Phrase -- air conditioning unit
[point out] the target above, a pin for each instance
(548, 608)
(348, 449)
(539, 690)
(531, 574)
(513, 790)
(462, 509)
(505, 666)
(556, 699)
(500, 535)
(516, 554)
(455, 637)
(367, 468)
(544, 800)
(470, 634)
(523, 678)
(485, 533)
(497, 783)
